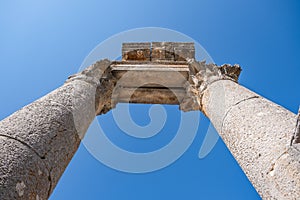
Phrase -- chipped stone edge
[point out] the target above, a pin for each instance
(296, 138)
(99, 74)
(201, 76)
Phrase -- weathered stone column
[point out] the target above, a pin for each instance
(261, 135)
(38, 141)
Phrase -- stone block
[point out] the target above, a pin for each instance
(136, 51)
(183, 50)
(162, 51)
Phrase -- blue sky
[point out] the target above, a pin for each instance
(43, 42)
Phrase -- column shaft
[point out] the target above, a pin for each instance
(38, 141)
(259, 135)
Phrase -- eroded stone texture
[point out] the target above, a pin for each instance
(38, 141)
(23, 174)
(183, 51)
(158, 51)
(258, 133)
(162, 51)
(202, 75)
(136, 51)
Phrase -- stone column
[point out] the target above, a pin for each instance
(261, 135)
(38, 141)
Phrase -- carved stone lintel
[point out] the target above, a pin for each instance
(105, 74)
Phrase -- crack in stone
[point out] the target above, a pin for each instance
(273, 164)
(296, 136)
(231, 107)
(25, 144)
(36, 153)
(50, 181)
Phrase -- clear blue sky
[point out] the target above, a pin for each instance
(42, 43)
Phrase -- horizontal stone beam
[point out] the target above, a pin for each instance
(150, 82)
